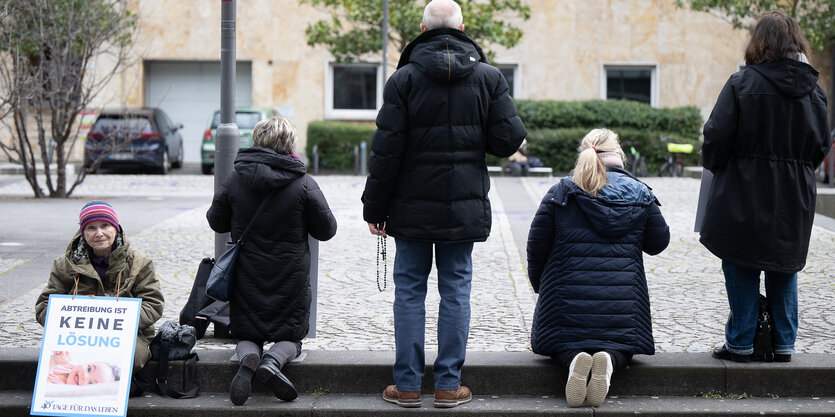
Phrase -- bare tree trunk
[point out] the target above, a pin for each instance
(43, 142)
(61, 163)
(27, 157)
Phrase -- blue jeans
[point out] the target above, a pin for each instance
(743, 285)
(412, 264)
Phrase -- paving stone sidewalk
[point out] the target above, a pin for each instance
(686, 286)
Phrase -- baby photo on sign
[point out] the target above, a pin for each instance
(85, 375)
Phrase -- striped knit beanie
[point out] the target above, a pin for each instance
(98, 211)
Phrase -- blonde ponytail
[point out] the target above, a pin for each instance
(590, 172)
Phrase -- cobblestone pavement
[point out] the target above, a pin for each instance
(686, 286)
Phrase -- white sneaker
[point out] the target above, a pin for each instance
(601, 377)
(578, 374)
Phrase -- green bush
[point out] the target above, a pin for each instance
(336, 142)
(557, 148)
(548, 114)
(554, 132)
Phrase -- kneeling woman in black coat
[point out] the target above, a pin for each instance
(585, 262)
(271, 294)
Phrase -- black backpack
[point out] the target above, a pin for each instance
(174, 342)
(763, 337)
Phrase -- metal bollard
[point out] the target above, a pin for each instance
(356, 160)
(363, 160)
(315, 159)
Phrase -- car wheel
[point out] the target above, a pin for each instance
(163, 169)
(179, 162)
(207, 169)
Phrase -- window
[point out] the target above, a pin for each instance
(164, 123)
(353, 91)
(510, 72)
(630, 82)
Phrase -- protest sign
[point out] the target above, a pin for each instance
(86, 356)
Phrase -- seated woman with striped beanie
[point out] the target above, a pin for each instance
(100, 261)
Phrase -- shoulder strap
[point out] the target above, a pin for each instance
(189, 371)
(255, 216)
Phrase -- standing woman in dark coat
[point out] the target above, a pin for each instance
(763, 141)
(585, 262)
(271, 295)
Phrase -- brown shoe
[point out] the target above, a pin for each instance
(407, 399)
(449, 399)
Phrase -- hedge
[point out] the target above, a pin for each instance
(554, 132)
(557, 148)
(336, 142)
(618, 114)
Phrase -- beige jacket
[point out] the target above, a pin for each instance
(138, 280)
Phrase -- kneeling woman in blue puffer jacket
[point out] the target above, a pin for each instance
(585, 262)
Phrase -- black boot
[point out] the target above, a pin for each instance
(241, 385)
(269, 373)
(722, 352)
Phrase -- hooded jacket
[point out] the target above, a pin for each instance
(138, 280)
(763, 141)
(443, 110)
(271, 292)
(585, 262)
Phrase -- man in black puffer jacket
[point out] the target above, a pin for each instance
(443, 110)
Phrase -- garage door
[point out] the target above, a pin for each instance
(190, 93)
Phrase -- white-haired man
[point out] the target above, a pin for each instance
(443, 109)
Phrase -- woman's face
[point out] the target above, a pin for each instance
(100, 236)
(90, 373)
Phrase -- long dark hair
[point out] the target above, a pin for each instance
(775, 36)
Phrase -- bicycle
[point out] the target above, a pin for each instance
(675, 158)
(634, 160)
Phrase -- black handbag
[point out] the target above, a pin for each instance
(219, 285)
(763, 338)
(174, 342)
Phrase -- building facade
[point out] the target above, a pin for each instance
(646, 50)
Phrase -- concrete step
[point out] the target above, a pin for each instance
(17, 403)
(498, 373)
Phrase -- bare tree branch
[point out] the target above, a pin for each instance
(56, 57)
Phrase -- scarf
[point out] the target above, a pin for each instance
(610, 159)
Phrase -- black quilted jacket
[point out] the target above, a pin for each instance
(443, 110)
(585, 261)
